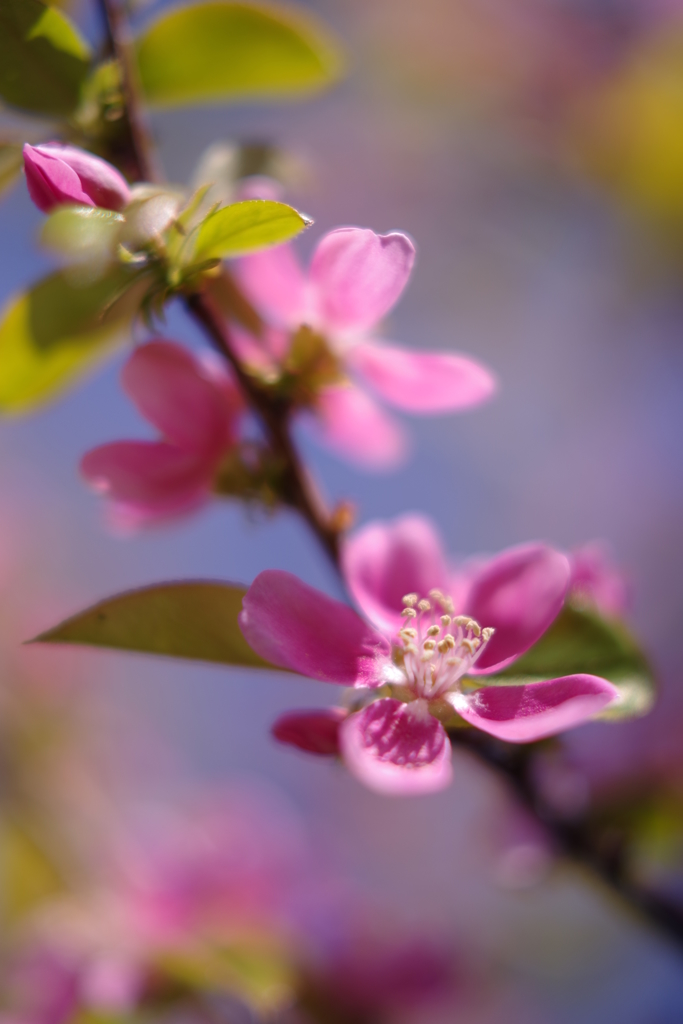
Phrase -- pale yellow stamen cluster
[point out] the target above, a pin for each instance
(437, 646)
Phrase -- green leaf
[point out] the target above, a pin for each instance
(51, 334)
(11, 161)
(580, 641)
(217, 51)
(196, 620)
(43, 58)
(244, 227)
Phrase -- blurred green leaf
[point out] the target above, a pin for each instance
(11, 161)
(196, 620)
(217, 51)
(29, 876)
(43, 58)
(51, 334)
(244, 227)
(582, 642)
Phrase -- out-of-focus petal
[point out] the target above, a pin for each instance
(597, 582)
(396, 748)
(520, 593)
(299, 628)
(317, 731)
(177, 394)
(357, 276)
(383, 561)
(153, 479)
(522, 714)
(422, 382)
(352, 425)
(276, 284)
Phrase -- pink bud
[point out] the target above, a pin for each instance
(58, 174)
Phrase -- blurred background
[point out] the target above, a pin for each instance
(534, 151)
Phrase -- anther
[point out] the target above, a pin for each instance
(487, 633)
(408, 632)
(461, 620)
(424, 605)
(433, 631)
(443, 646)
(409, 613)
(409, 600)
(429, 645)
(449, 639)
(475, 628)
(410, 649)
(471, 645)
(427, 656)
(445, 620)
(436, 595)
(454, 662)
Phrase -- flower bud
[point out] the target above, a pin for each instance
(57, 174)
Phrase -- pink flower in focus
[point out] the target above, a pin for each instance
(57, 174)
(196, 407)
(354, 279)
(423, 648)
(597, 582)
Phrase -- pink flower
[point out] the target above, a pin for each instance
(196, 408)
(58, 174)
(427, 652)
(354, 279)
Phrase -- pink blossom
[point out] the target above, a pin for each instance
(597, 582)
(58, 174)
(196, 408)
(427, 652)
(354, 279)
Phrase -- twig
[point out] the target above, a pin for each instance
(513, 764)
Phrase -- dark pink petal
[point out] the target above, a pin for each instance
(352, 425)
(358, 276)
(397, 748)
(520, 593)
(317, 732)
(153, 480)
(422, 382)
(299, 628)
(522, 714)
(276, 284)
(383, 561)
(58, 174)
(175, 392)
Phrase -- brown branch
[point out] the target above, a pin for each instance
(513, 764)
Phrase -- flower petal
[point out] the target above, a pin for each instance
(358, 276)
(299, 628)
(520, 593)
(397, 748)
(317, 732)
(153, 480)
(65, 174)
(422, 382)
(383, 561)
(522, 714)
(597, 581)
(193, 407)
(352, 425)
(276, 284)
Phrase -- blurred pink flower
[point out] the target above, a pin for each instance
(422, 648)
(196, 407)
(597, 582)
(57, 174)
(355, 278)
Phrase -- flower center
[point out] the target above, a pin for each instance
(438, 648)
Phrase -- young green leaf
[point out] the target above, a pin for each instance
(51, 334)
(582, 642)
(244, 227)
(221, 50)
(196, 620)
(43, 58)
